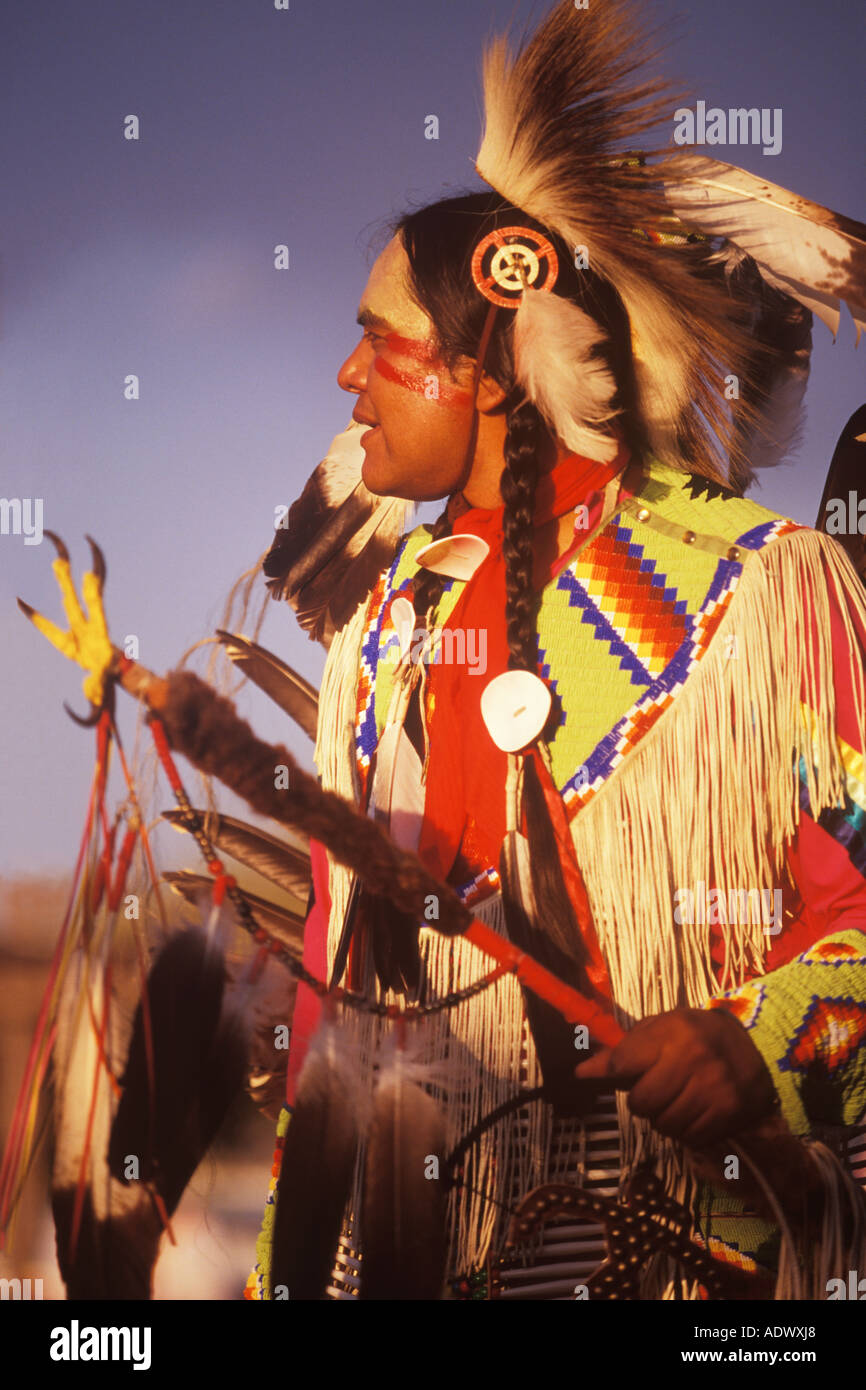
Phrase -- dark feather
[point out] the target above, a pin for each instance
(270, 1005)
(291, 692)
(108, 1233)
(769, 412)
(199, 1060)
(279, 922)
(403, 1211)
(339, 538)
(287, 867)
(553, 1037)
(847, 473)
(316, 1171)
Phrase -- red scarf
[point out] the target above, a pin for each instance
(466, 771)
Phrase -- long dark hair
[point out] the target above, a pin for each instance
(439, 241)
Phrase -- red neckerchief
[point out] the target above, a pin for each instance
(466, 772)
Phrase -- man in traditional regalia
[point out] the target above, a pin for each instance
(614, 707)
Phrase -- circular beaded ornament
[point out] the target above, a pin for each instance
(507, 260)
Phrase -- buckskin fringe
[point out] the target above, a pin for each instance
(733, 736)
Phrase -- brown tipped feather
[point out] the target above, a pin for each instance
(316, 1171)
(403, 1212)
(801, 248)
(268, 1007)
(287, 867)
(279, 922)
(108, 1238)
(339, 538)
(291, 692)
(199, 1061)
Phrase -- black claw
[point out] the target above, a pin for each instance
(58, 545)
(92, 718)
(97, 561)
(96, 711)
(25, 608)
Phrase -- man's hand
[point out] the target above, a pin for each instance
(695, 1074)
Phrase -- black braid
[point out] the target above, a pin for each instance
(522, 448)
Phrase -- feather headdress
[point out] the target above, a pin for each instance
(562, 119)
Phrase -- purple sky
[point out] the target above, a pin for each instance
(155, 257)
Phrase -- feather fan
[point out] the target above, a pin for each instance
(403, 1209)
(339, 538)
(291, 692)
(317, 1166)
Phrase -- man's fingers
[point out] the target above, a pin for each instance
(675, 1116)
(657, 1089)
(624, 1064)
(595, 1068)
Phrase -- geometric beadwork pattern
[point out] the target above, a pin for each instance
(831, 1032)
(620, 630)
(744, 1003)
(631, 605)
(829, 952)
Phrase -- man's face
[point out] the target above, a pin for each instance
(421, 415)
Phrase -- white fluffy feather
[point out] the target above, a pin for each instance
(553, 345)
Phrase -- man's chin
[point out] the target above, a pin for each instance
(378, 478)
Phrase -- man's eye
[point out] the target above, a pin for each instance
(374, 338)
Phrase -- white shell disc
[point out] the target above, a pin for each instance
(458, 556)
(403, 618)
(515, 706)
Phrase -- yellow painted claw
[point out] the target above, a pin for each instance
(87, 641)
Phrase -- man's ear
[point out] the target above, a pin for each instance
(490, 394)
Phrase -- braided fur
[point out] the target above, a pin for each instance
(206, 729)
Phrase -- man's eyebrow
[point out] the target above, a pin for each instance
(367, 319)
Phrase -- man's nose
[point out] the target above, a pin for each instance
(352, 376)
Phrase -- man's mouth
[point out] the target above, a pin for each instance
(373, 427)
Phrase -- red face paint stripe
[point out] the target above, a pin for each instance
(414, 381)
(419, 348)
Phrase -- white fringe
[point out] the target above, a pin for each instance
(709, 795)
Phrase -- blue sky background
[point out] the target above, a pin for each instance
(155, 257)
